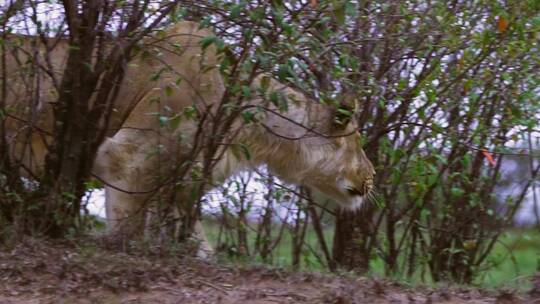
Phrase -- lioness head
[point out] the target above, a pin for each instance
(353, 176)
(305, 146)
(335, 166)
(342, 171)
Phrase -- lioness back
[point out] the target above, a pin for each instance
(167, 66)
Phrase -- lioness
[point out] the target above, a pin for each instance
(301, 145)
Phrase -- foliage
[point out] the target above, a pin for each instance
(441, 93)
(444, 92)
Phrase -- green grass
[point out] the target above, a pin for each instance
(282, 254)
(515, 258)
(512, 262)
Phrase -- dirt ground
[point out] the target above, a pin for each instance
(51, 272)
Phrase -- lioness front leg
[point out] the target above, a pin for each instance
(124, 164)
(125, 170)
(125, 213)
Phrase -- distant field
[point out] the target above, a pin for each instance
(515, 257)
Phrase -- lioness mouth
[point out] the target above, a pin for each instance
(356, 192)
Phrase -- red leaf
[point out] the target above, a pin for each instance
(502, 24)
(489, 157)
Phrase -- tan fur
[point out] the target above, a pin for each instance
(333, 164)
(163, 53)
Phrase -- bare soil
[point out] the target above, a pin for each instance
(37, 271)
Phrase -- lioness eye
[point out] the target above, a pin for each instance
(355, 192)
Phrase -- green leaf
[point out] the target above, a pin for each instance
(235, 11)
(345, 112)
(208, 40)
(339, 11)
(92, 184)
(246, 91)
(168, 91)
(279, 100)
(156, 75)
(174, 122)
(190, 112)
(425, 214)
(440, 158)
(283, 72)
(457, 192)
(265, 83)
(257, 14)
(248, 116)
